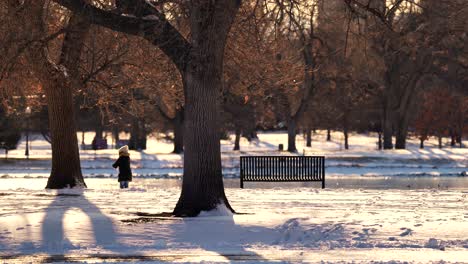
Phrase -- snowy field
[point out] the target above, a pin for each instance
(362, 159)
(394, 206)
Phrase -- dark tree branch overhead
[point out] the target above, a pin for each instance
(154, 28)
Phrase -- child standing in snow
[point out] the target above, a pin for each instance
(123, 162)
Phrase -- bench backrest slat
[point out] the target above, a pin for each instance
(282, 168)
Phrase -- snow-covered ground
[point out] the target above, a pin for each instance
(362, 159)
(279, 224)
(393, 206)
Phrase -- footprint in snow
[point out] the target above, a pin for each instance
(19, 228)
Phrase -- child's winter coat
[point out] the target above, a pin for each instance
(123, 163)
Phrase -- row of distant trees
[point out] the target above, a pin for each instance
(201, 67)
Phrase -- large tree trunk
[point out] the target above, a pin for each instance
(202, 186)
(179, 132)
(292, 135)
(66, 167)
(58, 82)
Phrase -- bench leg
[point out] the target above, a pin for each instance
(241, 183)
(323, 183)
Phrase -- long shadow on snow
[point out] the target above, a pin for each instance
(222, 235)
(53, 237)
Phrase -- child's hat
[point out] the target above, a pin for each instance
(123, 150)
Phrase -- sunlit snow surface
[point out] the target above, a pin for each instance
(362, 159)
(277, 223)
(360, 217)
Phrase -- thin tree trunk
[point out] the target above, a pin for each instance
(345, 131)
(387, 128)
(440, 141)
(115, 135)
(292, 135)
(329, 134)
(179, 132)
(380, 141)
(202, 185)
(142, 140)
(309, 138)
(421, 143)
(134, 135)
(452, 138)
(237, 139)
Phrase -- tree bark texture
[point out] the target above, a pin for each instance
(66, 167)
(59, 81)
(202, 186)
(179, 132)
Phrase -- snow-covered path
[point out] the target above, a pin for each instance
(288, 224)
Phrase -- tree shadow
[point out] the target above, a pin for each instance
(231, 240)
(215, 234)
(53, 231)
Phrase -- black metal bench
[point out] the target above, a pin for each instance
(282, 169)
